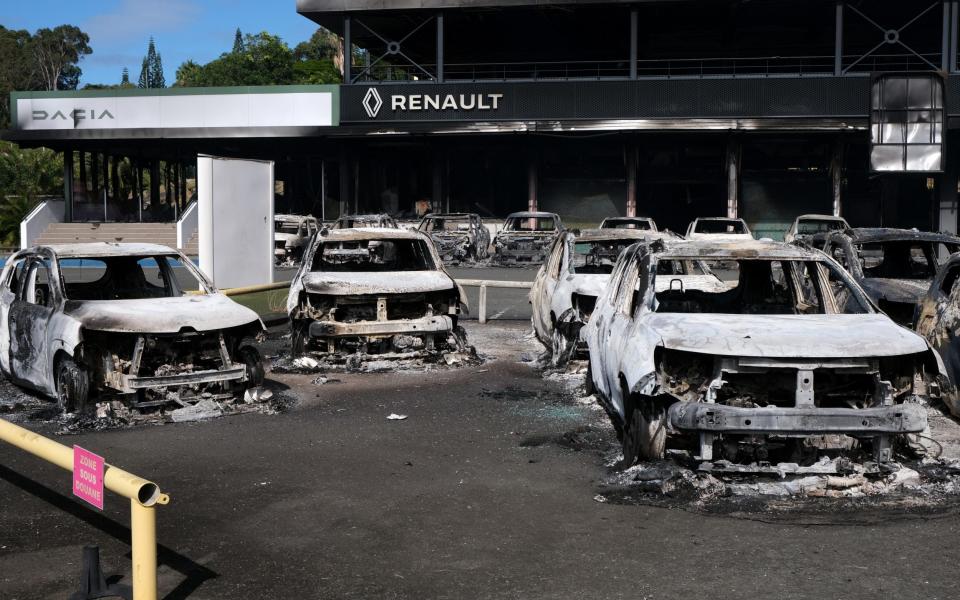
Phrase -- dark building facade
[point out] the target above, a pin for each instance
(669, 108)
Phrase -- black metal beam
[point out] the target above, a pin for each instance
(347, 51)
(440, 47)
(633, 43)
(838, 40)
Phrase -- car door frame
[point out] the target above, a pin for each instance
(29, 325)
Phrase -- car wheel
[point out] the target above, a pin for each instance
(560, 348)
(73, 386)
(250, 357)
(644, 432)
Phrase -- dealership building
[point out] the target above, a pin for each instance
(672, 109)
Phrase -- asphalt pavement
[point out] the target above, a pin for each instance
(488, 489)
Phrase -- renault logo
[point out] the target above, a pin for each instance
(372, 102)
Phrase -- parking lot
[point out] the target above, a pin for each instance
(495, 485)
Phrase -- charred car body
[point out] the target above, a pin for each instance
(641, 223)
(939, 323)
(894, 266)
(373, 291)
(566, 288)
(354, 221)
(526, 238)
(806, 226)
(458, 237)
(136, 322)
(787, 361)
(291, 235)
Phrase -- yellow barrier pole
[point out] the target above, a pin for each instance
(143, 495)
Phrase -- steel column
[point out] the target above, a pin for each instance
(631, 182)
(838, 40)
(440, 47)
(68, 185)
(532, 186)
(436, 195)
(953, 36)
(945, 38)
(836, 176)
(633, 43)
(733, 177)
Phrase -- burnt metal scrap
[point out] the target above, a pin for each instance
(357, 221)
(526, 238)
(894, 266)
(459, 237)
(769, 367)
(374, 294)
(135, 323)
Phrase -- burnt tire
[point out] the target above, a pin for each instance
(588, 388)
(73, 386)
(561, 348)
(299, 337)
(644, 432)
(250, 358)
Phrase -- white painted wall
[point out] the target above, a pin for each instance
(235, 220)
(35, 223)
(187, 225)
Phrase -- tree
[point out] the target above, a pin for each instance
(238, 46)
(265, 60)
(323, 44)
(151, 69)
(57, 52)
(125, 77)
(25, 177)
(188, 75)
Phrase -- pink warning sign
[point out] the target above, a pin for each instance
(88, 476)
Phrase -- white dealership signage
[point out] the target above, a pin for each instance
(175, 109)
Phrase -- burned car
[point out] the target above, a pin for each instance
(291, 235)
(374, 293)
(718, 229)
(788, 361)
(939, 323)
(566, 287)
(134, 322)
(526, 238)
(806, 226)
(458, 237)
(894, 266)
(354, 221)
(642, 223)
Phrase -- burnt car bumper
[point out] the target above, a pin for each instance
(131, 383)
(424, 325)
(507, 256)
(719, 418)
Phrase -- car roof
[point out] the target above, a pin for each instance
(526, 214)
(889, 234)
(293, 218)
(627, 219)
(737, 249)
(370, 233)
(449, 215)
(589, 235)
(364, 217)
(102, 249)
(818, 217)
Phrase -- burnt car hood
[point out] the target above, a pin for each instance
(209, 312)
(525, 236)
(908, 291)
(785, 336)
(398, 282)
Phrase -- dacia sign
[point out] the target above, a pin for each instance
(281, 106)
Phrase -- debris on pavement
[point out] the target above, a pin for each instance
(396, 417)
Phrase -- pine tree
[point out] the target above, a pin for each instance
(151, 69)
(238, 45)
(125, 77)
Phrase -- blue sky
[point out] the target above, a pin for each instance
(120, 29)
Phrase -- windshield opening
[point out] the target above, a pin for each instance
(762, 287)
(721, 226)
(446, 225)
(902, 259)
(597, 257)
(812, 227)
(641, 224)
(127, 278)
(530, 224)
(373, 256)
